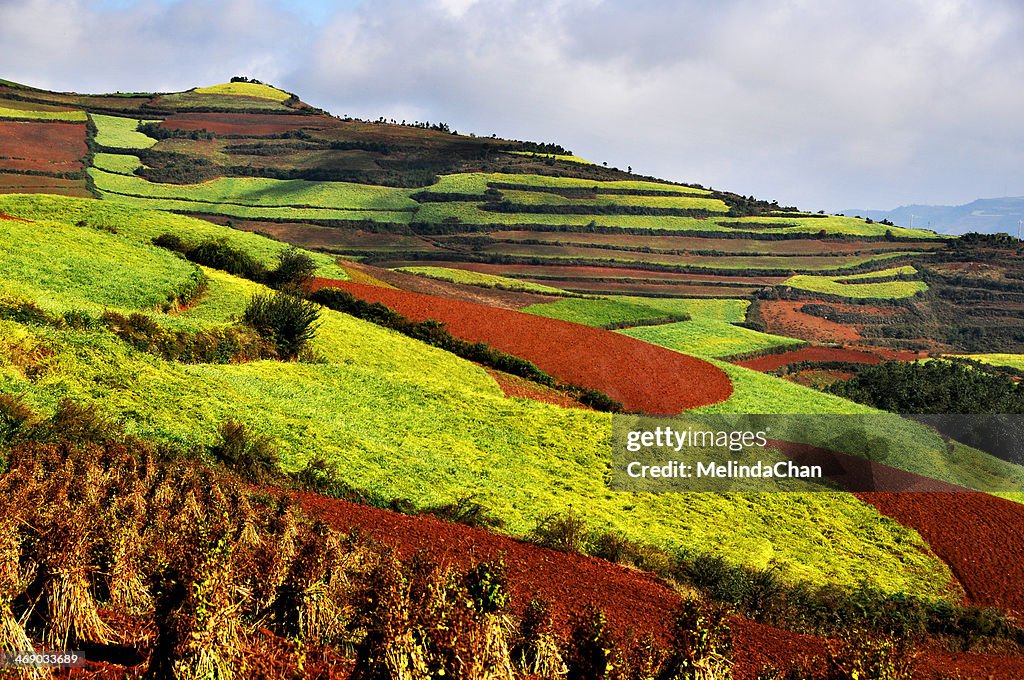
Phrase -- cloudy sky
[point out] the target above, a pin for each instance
(824, 104)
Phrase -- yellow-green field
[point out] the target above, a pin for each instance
(257, 90)
(66, 116)
(121, 133)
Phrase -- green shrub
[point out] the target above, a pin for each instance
(591, 648)
(294, 269)
(566, 532)
(701, 643)
(289, 322)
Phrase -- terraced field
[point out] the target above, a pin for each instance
(478, 279)
(705, 338)
(31, 114)
(42, 147)
(121, 133)
(847, 286)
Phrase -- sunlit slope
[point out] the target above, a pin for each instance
(403, 420)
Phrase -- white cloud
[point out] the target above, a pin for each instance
(821, 103)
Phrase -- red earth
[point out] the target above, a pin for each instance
(17, 183)
(13, 219)
(641, 376)
(783, 317)
(981, 538)
(570, 273)
(42, 146)
(634, 601)
(514, 386)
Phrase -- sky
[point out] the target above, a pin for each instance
(821, 104)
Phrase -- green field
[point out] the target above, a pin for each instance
(121, 133)
(552, 156)
(266, 193)
(144, 225)
(119, 164)
(707, 338)
(405, 420)
(230, 102)
(1010, 360)
(607, 312)
(906, 270)
(477, 183)
(730, 311)
(257, 90)
(680, 202)
(485, 280)
(68, 116)
(835, 285)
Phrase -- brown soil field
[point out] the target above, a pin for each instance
(641, 376)
(37, 184)
(492, 297)
(783, 317)
(335, 239)
(571, 273)
(42, 146)
(981, 538)
(772, 362)
(723, 245)
(661, 290)
(514, 386)
(246, 124)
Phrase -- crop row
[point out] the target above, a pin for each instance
(29, 114)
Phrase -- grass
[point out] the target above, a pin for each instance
(829, 285)
(709, 338)
(257, 90)
(62, 267)
(410, 421)
(683, 202)
(727, 310)
(119, 164)
(121, 133)
(906, 270)
(142, 226)
(485, 280)
(553, 156)
(477, 183)
(266, 193)
(602, 312)
(1011, 360)
(65, 116)
(231, 102)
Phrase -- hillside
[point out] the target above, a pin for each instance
(527, 296)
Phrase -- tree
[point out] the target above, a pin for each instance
(287, 321)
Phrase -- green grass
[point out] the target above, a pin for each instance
(486, 280)
(476, 183)
(121, 133)
(708, 338)
(266, 193)
(724, 309)
(142, 226)
(410, 421)
(68, 116)
(553, 156)
(680, 202)
(119, 164)
(830, 285)
(63, 267)
(1011, 360)
(246, 90)
(906, 270)
(231, 102)
(601, 312)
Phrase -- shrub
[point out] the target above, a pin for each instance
(537, 653)
(487, 585)
(289, 322)
(566, 532)
(294, 269)
(863, 655)
(467, 510)
(702, 643)
(253, 457)
(15, 418)
(591, 647)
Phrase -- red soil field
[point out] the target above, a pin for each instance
(981, 538)
(635, 602)
(641, 376)
(248, 124)
(808, 246)
(42, 146)
(568, 273)
(773, 361)
(661, 290)
(492, 297)
(13, 219)
(41, 184)
(783, 317)
(514, 386)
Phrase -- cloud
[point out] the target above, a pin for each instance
(820, 103)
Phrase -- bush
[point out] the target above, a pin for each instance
(566, 532)
(591, 647)
(467, 510)
(294, 269)
(253, 457)
(702, 643)
(289, 322)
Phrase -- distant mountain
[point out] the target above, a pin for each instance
(986, 215)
